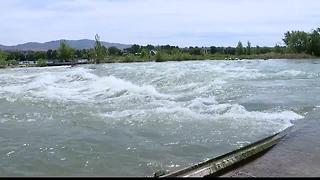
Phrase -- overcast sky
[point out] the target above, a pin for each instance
(176, 22)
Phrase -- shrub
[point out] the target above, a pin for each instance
(13, 62)
(41, 63)
(3, 63)
(129, 58)
(159, 57)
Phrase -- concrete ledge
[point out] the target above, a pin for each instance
(222, 163)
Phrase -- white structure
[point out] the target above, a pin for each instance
(153, 52)
(27, 63)
(83, 61)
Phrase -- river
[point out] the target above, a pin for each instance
(136, 118)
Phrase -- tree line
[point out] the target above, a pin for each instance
(303, 42)
(296, 42)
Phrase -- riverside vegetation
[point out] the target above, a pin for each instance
(298, 45)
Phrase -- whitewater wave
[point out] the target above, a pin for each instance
(227, 72)
(82, 85)
(118, 98)
(78, 85)
(208, 109)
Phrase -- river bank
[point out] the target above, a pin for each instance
(179, 58)
(295, 156)
(163, 57)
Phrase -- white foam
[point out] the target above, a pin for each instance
(233, 115)
(291, 73)
(2, 120)
(202, 102)
(227, 72)
(122, 114)
(241, 112)
(181, 110)
(189, 102)
(281, 120)
(78, 85)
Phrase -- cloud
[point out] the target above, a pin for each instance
(177, 22)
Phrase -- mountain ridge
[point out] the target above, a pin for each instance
(76, 44)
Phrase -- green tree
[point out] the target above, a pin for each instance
(40, 55)
(100, 51)
(3, 57)
(264, 50)
(277, 49)
(3, 63)
(113, 51)
(49, 54)
(134, 49)
(91, 54)
(159, 57)
(257, 50)
(19, 56)
(78, 54)
(144, 53)
(195, 50)
(150, 47)
(129, 58)
(314, 43)
(213, 50)
(84, 53)
(248, 48)
(65, 52)
(13, 62)
(230, 50)
(239, 49)
(54, 54)
(30, 56)
(296, 41)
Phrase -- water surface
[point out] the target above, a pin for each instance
(133, 119)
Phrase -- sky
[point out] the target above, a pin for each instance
(176, 22)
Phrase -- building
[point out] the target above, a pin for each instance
(27, 63)
(153, 52)
(82, 61)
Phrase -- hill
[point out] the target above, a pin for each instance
(76, 44)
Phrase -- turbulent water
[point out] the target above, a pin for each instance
(134, 119)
